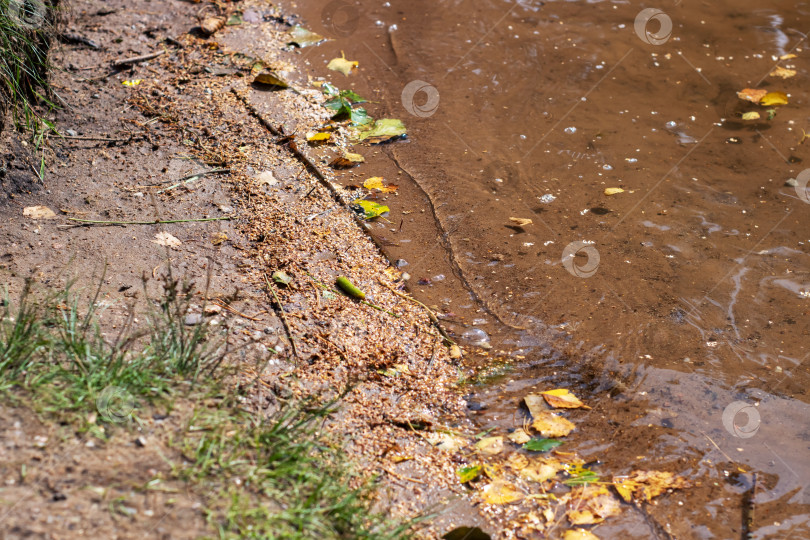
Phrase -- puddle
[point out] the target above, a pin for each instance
(673, 304)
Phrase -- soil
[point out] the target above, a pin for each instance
(697, 301)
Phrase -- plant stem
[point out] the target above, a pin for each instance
(155, 222)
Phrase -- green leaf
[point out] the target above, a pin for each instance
(580, 476)
(370, 209)
(541, 445)
(281, 277)
(351, 96)
(330, 90)
(360, 117)
(468, 474)
(382, 130)
(337, 104)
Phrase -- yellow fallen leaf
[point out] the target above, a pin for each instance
(594, 504)
(376, 182)
(646, 485)
(625, 488)
(613, 190)
(534, 402)
(318, 137)
(446, 441)
(541, 471)
(219, 238)
(774, 98)
(551, 425)
(132, 82)
(519, 436)
(582, 517)
(520, 222)
(752, 115)
(342, 65)
(785, 73)
(490, 445)
(500, 492)
(271, 78)
(562, 398)
(751, 94)
(346, 161)
(579, 534)
(787, 56)
(517, 461)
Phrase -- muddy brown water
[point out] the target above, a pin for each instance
(678, 307)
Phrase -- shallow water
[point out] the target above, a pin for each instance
(672, 305)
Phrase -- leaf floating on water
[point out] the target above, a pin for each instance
(376, 182)
(467, 533)
(501, 492)
(646, 485)
(165, 239)
(785, 73)
(580, 475)
(468, 474)
(38, 212)
(347, 161)
(541, 445)
(318, 138)
(270, 78)
(490, 446)
(579, 534)
(519, 436)
(752, 94)
(349, 288)
(540, 471)
(370, 209)
(551, 425)
(535, 404)
(752, 115)
(598, 505)
(613, 191)
(304, 38)
(520, 222)
(774, 98)
(787, 56)
(562, 398)
(281, 277)
(446, 442)
(342, 65)
(383, 130)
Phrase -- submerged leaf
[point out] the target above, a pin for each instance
(551, 425)
(304, 38)
(541, 445)
(751, 115)
(535, 404)
(752, 94)
(519, 436)
(500, 492)
(490, 445)
(645, 485)
(382, 130)
(542, 470)
(785, 73)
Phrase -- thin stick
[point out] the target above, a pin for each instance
(136, 59)
(401, 476)
(89, 138)
(433, 318)
(192, 177)
(155, 222)
(283, 315)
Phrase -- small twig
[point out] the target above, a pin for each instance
(402, 477)
(136, 59)
(226, 307)
(433, 318)
(283, 315)
(155, 222)
(192, 177)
